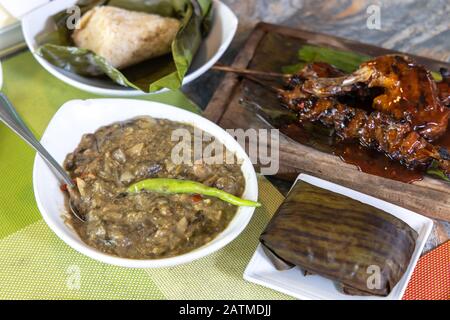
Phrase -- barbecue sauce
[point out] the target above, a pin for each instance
(366, 160)
(376, 163)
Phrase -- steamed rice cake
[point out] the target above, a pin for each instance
(125, 37)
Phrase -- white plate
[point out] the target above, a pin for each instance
(78, 117)
(212, 48)
(292, 282)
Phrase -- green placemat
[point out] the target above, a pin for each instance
(35, 264)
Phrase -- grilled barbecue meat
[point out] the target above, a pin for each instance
(444, 87)
(375, 130)
(409, 94)
(314, 95)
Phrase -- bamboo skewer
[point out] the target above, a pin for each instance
(262, 83)
(252, 75)
(250, 72)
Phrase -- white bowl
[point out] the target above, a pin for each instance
(1, 76)
(212, 48)
(78, 117)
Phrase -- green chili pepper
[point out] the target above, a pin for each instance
(186, 186)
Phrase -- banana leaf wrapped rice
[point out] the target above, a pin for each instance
(141, 44)
(125, 37)
(339, 238)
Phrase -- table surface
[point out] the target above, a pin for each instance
(419, 27)
(36, 264)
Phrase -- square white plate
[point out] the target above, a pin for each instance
(260, 270)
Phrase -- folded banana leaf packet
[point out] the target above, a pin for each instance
(58, 47)
(363, 249)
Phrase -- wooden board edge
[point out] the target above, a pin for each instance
(218, 105)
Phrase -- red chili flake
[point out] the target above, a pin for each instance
(63, 187)
(197, 198)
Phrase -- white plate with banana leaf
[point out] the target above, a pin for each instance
(218, 28)
(294, 282)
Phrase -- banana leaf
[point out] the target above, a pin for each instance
(339, 238)
(343, 60)
(167, 71)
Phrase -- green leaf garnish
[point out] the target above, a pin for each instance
(293, 68)
(343, 60)
(434, 170)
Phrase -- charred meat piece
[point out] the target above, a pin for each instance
(444, 87)
(396, 139)
(409, 94)
(313, 71)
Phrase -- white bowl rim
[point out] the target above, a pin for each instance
(207, 249)
(129, 92)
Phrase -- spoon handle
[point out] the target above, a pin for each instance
(12, 119)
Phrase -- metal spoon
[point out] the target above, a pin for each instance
(11, 118)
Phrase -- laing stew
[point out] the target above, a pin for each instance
(146, 225)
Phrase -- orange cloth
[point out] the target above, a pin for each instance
(431, 277)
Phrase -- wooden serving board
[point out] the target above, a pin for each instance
(430, 197)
